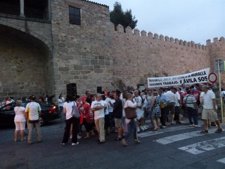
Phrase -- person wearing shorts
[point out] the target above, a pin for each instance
(209, 110)
(117, 113)
(19, 121)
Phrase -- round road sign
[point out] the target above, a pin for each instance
(212, 77)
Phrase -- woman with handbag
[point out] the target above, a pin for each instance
(130, 121)
(69, 108)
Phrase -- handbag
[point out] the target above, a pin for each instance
(75, 112)
(130, 112)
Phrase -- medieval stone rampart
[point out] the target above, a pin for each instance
(139, 55)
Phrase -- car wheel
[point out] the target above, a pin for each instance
(41, 121)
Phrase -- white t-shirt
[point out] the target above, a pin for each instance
(68, 106)
(129, 103)
(98, 113)
(208, 99)
(177, 103)
(170, 96)
(19, 114)
(138, 101)
(106, 105)
(110, 104)
(33, 109)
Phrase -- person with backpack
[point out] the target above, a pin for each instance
(191, 108)
(72, 116)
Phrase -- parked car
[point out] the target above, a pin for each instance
(48, 113)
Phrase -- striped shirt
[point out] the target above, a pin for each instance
(190, 101)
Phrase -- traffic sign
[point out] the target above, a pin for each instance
(212, 77)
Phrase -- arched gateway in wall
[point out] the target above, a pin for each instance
(25, 64)
(25, 48)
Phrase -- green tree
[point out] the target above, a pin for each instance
(129, 20)
(118, 16)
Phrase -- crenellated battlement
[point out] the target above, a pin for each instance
(215, 40)
(157, 37)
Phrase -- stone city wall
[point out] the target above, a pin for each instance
(139, 55)
(217, 51)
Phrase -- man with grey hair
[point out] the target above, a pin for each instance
(98, 107)
(33, 110)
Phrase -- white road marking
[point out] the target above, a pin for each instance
(221, 160)
(169, 129)
(182, 136)
(204, 146)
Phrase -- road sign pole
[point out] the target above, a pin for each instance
(220, 86)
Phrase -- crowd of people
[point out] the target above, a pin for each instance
(106, 112)
(103, 113)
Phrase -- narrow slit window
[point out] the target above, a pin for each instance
(74, 15)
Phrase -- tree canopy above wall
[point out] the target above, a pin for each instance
(118, 16)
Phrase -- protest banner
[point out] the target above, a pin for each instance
(200, 76)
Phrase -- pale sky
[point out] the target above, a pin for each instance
(190, 20)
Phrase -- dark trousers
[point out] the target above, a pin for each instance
(177, 114)
(107, 121)
(87, 125)
(75, 123)
(163, 117)
(192, 114)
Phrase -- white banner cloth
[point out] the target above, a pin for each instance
(200, 76)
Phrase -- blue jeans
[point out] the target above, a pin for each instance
(131, 129)
(192, 114)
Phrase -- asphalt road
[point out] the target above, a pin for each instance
(175, 147)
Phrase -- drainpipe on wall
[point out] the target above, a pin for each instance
(22, 8)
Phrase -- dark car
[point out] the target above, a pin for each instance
(48, 112)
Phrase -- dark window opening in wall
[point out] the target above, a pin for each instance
(36, 9)
(74, 15)
(11, 7)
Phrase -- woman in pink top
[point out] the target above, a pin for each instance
(19, 121)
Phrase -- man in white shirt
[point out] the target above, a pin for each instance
(177, 107)
(33, 109)
(209, 109)
(98, 107)
(171, 101)
(108, 112)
